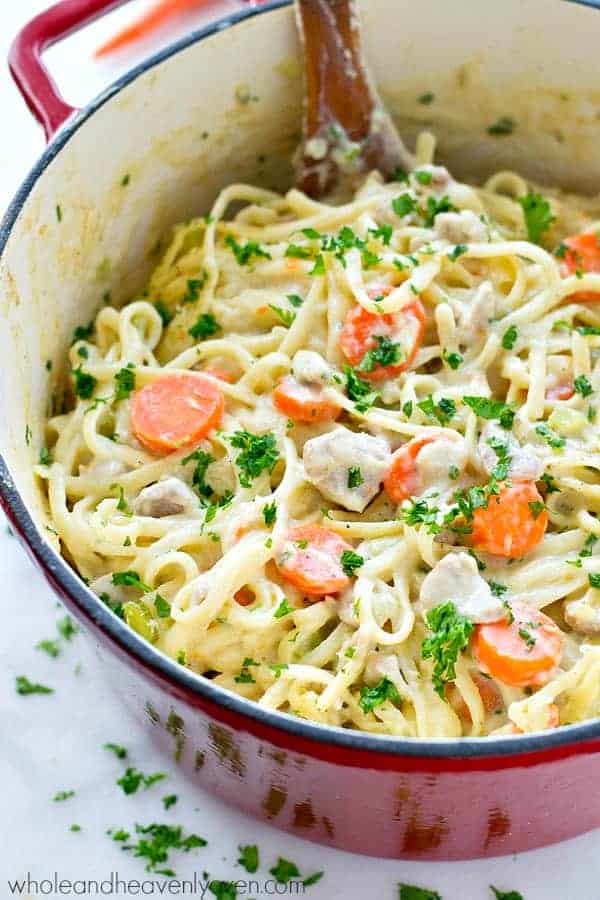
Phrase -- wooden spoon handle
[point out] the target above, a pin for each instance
(346, 129)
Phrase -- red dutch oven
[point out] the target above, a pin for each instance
(182, 126)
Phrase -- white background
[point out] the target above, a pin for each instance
(51, 743)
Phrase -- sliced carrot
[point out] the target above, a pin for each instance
(583, 255)
(512, 524)
(311, 560)
(244, 597)
(362, 328)
(523, 652)
(176, 411)
(303, 402)
(402, 479)
(222, 374)
(562, 390)
(146, 23)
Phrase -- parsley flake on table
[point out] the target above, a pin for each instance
(506, 895)
(248, 857)
(411, 892)
(119, 751)
(223, 890)
(169, 800)
(24, 686)
(155, 843)
(60, 796)
(451, 633)
(52, 648)
(134, 779)
(67, 628)
(284, 870)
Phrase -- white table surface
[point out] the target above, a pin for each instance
(54, 742)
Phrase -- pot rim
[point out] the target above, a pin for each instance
(134, 647)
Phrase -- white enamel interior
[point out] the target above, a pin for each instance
(181, 132)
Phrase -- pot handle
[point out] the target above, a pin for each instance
(33, 79)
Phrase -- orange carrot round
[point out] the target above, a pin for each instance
(402, 479)
(222, 374)
(562, 390)
(176, 411)
(523, 652)
(582, 255)
(148, 22)
(362, 328)
(513, 523)
(311, 560)
(303, 402)
(244, 597)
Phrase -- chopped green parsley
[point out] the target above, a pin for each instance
(451, 635)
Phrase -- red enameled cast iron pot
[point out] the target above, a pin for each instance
(182, 127)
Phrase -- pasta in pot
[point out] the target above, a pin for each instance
(343, 459)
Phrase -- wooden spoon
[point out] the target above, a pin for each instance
(347, 131)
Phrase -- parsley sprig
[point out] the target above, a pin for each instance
(258, 453)
(451, 635)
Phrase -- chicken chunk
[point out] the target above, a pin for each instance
(457, 579)
(583, 615)
(436, 460)
(461, 227)
(475, 316)
(170, 497)
(525, 465)
(347, 467)
(310, 368)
